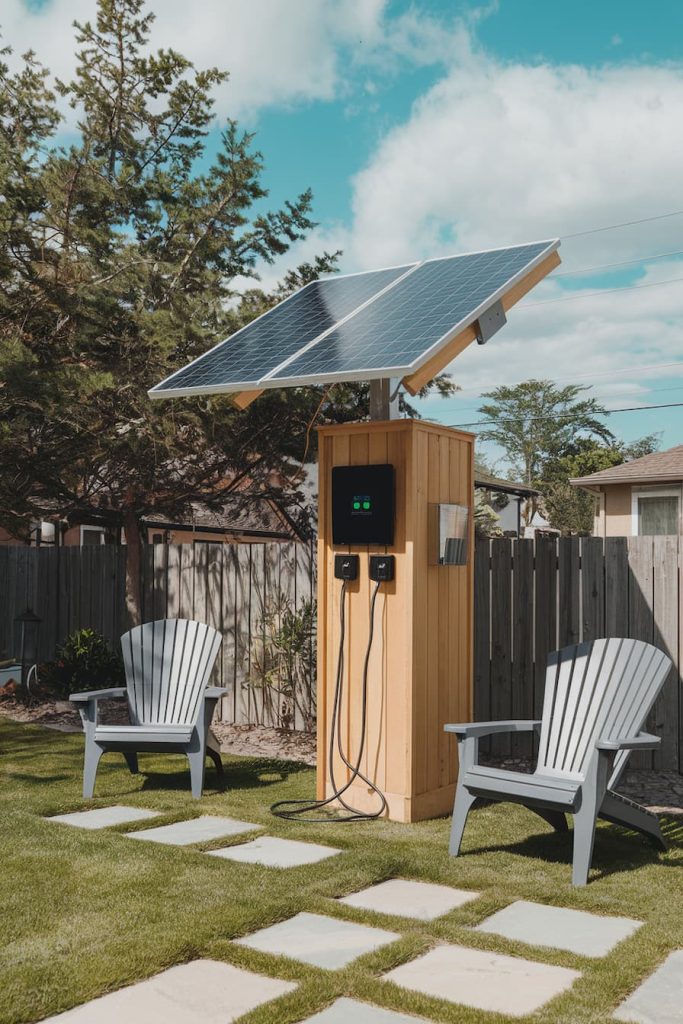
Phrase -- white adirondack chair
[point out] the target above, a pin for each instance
(597, 698)
(168, 664)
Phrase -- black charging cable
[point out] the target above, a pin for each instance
(293, 810)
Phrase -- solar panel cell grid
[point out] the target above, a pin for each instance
(263, 344)
(401, 326)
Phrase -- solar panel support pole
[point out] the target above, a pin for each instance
(384, 398)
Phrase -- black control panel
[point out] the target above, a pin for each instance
(363, 504)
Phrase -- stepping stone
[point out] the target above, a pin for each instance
(201, 992)
(102, 817)
(659, 1000)
(559, 928)
(420, 900)
(276, 853)
(486, 981)
(345, 1010)
(195, 830)
(321, 941)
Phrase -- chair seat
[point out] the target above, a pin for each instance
(554, 789)
(143, 733)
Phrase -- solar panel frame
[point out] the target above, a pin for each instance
(400, 370)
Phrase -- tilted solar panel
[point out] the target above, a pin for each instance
(401, 327)
(261, 346)
(384, 323)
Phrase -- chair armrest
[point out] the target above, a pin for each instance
(643, 741)
(85, 698)
(215, 691)
(466, 729)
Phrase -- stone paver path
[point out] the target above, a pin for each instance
(196, 830)
(318, 940)
(659, 1000)
(486, 981)
(345, 1011)
(574, 930)
(272, 852)
(403, 898)
(201, 992)
(102, 817)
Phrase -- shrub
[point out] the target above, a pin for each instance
(84, 662)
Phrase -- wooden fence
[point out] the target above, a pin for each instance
(531, 597)
(247, 591)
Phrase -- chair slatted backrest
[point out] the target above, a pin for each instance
(168, 664)
(602, 690)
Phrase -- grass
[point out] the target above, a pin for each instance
(86, 912)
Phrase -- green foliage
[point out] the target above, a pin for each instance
(571, 509)
(84, 662)
(283, 658)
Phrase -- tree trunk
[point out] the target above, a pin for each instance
(131, 526)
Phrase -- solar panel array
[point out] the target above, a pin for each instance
(264, 343)
(377, 324)
(405, 322)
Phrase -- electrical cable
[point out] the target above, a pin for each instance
(297, 808)
(624, 224)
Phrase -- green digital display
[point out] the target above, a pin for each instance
(361, 504)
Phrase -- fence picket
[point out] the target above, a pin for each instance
(501, 639)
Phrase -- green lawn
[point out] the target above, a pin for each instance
(85, 912)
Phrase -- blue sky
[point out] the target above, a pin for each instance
(431, 127)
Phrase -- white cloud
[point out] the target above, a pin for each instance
(279, 53)
(497, 153)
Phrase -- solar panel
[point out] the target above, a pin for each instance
(252, 352)
(384, 323)
(402, 327)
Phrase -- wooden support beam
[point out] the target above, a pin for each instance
(244, 398)
(436, 363)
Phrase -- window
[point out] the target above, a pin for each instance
(92, 535)
(656, 512)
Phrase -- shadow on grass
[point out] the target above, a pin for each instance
(616, 849)
(247, 774)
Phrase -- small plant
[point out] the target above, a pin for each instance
(84, 662)
(283, 662)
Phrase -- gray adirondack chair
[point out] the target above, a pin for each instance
(168, 664)
(597, 698)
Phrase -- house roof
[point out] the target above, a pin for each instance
(657, 468)
(495, 483)
(258, 516)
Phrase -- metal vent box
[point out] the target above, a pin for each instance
(363, 505)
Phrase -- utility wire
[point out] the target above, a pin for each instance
(566, 419)
(602, 291)
(586, 376)
(624, 224)
(621, 263)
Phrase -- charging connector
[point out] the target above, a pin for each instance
(382, 568)
(346, 567)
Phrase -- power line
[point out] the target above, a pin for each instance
(621, 263)
(624, 394)
(568, 417)
(586, 376)
(603, 291)
(624, 224)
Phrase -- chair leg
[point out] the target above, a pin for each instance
(557, 819)
(584, 837)
(197, 760)
(132, 761)
(216, 758)
(461, 808)
(91, 759)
